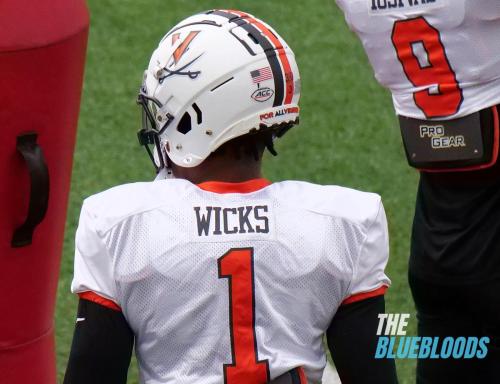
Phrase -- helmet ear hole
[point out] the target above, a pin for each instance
(185, 124)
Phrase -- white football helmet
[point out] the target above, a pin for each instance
(216, 76)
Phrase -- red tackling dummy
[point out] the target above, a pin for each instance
(42, 53)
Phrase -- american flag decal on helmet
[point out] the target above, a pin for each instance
(262, 74)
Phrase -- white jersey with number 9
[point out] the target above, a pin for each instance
(439, 58)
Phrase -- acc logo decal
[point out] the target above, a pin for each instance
(262, 94)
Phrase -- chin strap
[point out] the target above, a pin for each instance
(164, 174)
(270, 148)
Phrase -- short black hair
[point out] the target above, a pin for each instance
(251, 145)
(254, 142)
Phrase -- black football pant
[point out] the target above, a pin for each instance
(458, 310)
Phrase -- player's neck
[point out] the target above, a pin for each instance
(221, 169)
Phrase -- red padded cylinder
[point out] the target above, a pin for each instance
(42, 54)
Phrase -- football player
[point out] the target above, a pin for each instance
(214, 273)
(441, 61)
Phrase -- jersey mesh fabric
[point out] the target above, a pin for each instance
(168, 285)
(468, 29)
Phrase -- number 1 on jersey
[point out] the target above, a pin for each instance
(237, 267)
(417, 34)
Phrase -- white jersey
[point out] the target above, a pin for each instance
(228, 279)
(439, 58)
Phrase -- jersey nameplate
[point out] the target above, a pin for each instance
(233, 222)
(380, 7)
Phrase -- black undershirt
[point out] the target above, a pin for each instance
(456, 228)
(352, 340)
(102, 346)
(103, 342)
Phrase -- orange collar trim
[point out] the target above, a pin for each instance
(243, 187)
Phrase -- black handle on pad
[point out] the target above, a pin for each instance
(39, 193)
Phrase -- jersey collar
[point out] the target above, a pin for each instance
(248, 186)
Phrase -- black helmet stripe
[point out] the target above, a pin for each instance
(269, 49)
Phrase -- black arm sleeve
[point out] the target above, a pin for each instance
(102, 346)
(352, 340)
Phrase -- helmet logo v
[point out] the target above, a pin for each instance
(177, 55)
(179, 52)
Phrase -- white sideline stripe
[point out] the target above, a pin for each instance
(330, 375)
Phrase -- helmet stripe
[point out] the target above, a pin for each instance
(281, 50)
(269, 49)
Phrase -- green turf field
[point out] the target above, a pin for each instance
(348, 133)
